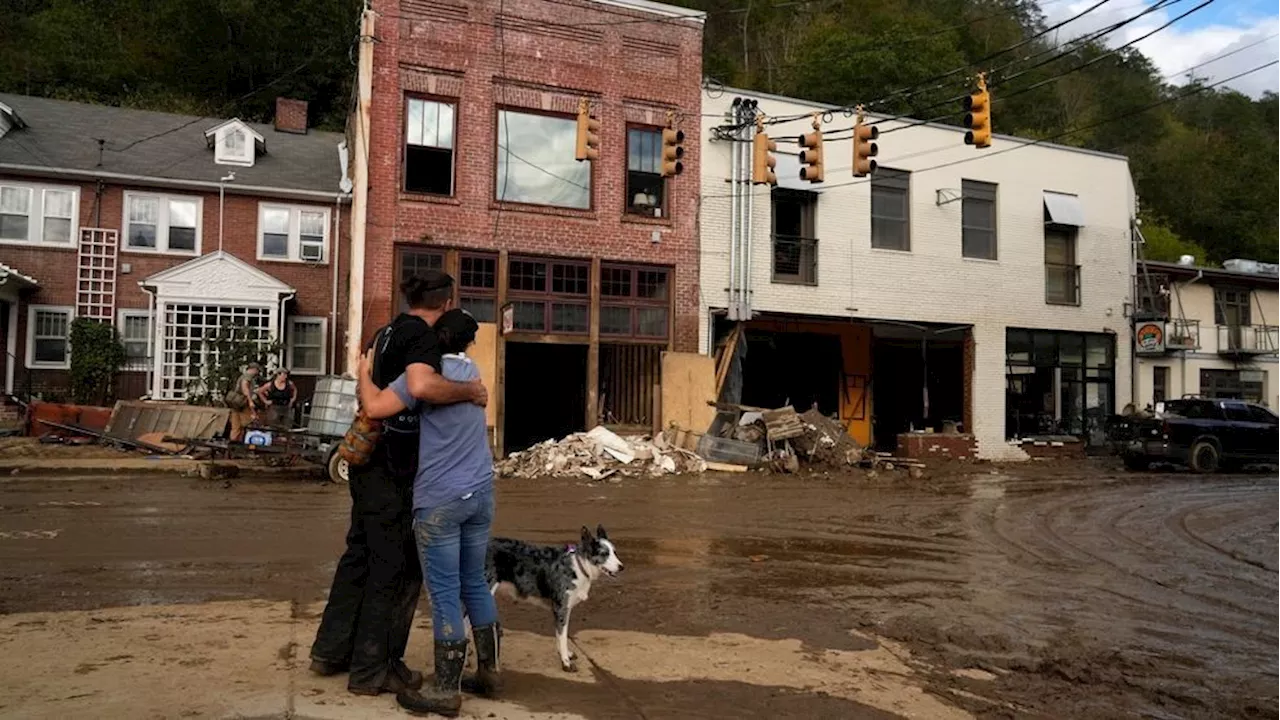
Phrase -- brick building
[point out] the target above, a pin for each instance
(985, 289)
(166, 226)
(472, 169)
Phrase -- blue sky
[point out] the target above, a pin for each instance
(1245, 28)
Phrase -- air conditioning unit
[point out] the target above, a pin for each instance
(312, 252)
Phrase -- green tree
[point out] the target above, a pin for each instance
(96, 357)
(221, 358)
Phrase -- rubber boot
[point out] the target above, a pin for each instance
(488, 679)
(444, 696)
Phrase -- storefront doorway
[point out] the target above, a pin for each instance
(1059, 383)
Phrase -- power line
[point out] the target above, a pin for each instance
(1223, 56)
(1071, 131)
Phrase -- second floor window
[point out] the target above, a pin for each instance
(428, 150)
(1061, 273)
(978, 220)
(31, 214)
(890, 209)
(795, 249)
(156, 223)
(292, 233)
(646, 188)
(535, 161)
(1231, 307)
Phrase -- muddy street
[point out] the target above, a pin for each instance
(1011, 591)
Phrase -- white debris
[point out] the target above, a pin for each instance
(599, 454)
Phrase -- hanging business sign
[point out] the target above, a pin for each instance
(508, 318)
(1149, 338)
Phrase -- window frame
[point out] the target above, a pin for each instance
(1244, 302)
(1071, 234)
(36, 215)
(401, 252)
(809, 218)
(497, 150)
(548, 297)
(293, 247)
(634, 303)
(477, 292)
(149, 360)
(404, 144)
(32, 311)
(899, 181)
(981, 190)
(162, 224)
(223, 155)
(290, 349)
(664, 202)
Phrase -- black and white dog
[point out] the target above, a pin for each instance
(555, 577)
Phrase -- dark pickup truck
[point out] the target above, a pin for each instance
(1203, 434)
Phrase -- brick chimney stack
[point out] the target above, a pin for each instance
(291, 115)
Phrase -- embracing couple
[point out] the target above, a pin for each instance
(421, 506)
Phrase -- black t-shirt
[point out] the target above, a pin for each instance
(408, 340)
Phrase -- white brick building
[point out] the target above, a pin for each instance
(916, 306)
(1207, 331)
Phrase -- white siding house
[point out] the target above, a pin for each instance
(812, 264)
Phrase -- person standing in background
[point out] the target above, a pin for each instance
(278, 396)
(241, 400)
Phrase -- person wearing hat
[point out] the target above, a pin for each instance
(366, 621)
(244, 412)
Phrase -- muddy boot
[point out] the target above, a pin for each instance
(325, 668)
(412, 679)
(444, 696)
(487, 681)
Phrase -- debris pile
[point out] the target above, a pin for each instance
(599, 454)
(824, 442)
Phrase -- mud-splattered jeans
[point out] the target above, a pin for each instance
(453, 540)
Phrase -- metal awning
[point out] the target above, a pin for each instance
(1063, 209)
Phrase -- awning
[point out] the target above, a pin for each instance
(1063, 209)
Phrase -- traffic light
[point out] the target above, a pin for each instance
(762, 155)
(811, 156)
(977, 116)
(864, 148)
(672, 151)
(588, 147)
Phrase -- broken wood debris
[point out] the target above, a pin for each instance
(600, 454)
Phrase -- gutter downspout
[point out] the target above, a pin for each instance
(333, 290)
(360, 194)
(153, 341)
(281, 325)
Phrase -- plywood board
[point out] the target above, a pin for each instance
(688, 384)
(485, 355)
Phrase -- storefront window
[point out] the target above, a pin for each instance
(1059, 383)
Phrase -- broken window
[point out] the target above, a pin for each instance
(890, 209)
(978, 220)
(646, 188)
(428, 154)
(795, 249)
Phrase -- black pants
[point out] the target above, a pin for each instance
(375, 588)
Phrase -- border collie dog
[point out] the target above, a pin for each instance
(554, 577)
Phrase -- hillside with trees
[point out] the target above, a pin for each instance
(1204, 162)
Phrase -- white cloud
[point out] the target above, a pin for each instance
(1187, 43)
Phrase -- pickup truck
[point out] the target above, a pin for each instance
(1204, 434)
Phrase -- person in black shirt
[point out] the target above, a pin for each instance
(366, 622)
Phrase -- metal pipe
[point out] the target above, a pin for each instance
(733, 215)
(747, 242)
(336, 259)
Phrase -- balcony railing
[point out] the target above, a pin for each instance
(1182, 335)
(1061, 284)
(795, 259)
(1248, 339)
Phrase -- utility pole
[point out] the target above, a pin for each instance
(360, 193)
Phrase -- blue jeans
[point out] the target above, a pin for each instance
(453, 540)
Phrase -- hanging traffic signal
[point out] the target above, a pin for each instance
(672, 151)
(977, 116)
(762, 156)
(864, 147)
(811, 156)
(588, 147)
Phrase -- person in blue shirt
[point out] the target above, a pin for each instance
(453, 509)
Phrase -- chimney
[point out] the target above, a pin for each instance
(291, 115)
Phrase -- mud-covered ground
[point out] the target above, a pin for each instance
(1020, 591)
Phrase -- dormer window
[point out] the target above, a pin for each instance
(234, 143)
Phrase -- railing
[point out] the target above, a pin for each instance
(1248, 339)
(795, 259)
(1182, 335)
(1061, 284)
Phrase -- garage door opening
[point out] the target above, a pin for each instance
(904, 369)
(546, 393)
(627, 377)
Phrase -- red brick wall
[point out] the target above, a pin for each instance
(55, 268)
(291, 115)
(937, 445)
(633, 71)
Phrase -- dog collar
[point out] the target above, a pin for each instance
(570, 548)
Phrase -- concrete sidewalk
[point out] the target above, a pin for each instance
(248, 659)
